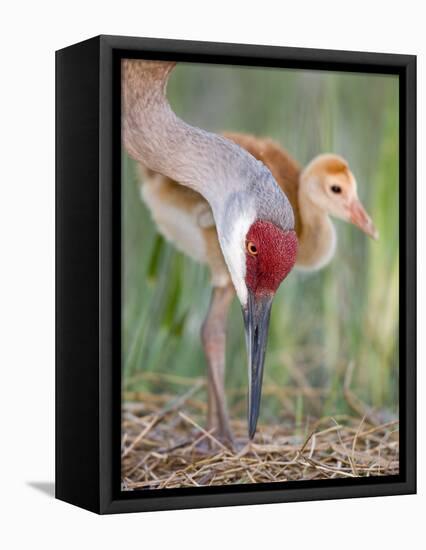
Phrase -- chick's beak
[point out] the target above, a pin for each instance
(256, 321)
(360, 218)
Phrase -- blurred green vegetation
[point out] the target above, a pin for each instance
(321, 321)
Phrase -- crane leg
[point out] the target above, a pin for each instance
(213, 335)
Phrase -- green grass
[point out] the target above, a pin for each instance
(320, 321)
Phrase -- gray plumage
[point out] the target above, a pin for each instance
(229, 178)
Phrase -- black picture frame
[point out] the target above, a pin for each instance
(88, 378)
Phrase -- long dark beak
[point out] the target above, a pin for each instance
(256, 321)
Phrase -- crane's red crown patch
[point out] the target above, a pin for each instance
(276, 251)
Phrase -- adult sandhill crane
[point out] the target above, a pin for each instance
(253, 217)
(326, 186)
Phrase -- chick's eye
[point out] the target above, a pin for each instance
(336, 188)
(251, 248)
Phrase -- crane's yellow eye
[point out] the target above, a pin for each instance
(251, 248)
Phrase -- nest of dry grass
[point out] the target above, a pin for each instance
(164, 445)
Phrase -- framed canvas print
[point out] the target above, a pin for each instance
(235, 274)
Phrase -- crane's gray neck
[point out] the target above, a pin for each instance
(217, 168)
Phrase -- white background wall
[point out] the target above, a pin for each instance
(29, 34)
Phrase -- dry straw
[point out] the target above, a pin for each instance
(164, 445)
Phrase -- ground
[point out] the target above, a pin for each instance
(164, 445)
